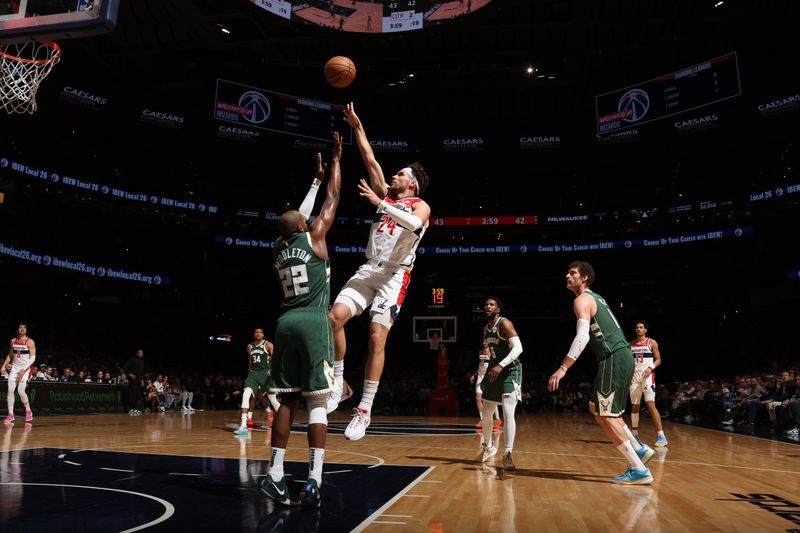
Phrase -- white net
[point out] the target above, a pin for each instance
(23, 66)
(433, 342)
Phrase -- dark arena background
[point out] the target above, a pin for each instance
(656, 139)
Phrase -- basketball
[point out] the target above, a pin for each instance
(340, 71)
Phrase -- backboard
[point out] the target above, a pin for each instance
(22, 20)
(441, 328)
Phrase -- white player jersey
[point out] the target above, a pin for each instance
(22, 354)
(642, 355)
(391, 243)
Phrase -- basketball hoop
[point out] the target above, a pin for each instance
(433, 341)
(23, 66)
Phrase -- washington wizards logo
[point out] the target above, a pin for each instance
(635, 104)
(257, 104)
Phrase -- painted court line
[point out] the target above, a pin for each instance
(371, 518)
(398, 515)
(169, 509)
(416, 496)
(117, 470)
(388, 522)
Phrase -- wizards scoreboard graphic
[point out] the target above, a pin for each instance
(690, 88)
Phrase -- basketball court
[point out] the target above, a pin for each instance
(188, 472)
(162, 472)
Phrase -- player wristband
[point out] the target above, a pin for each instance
(564, 368)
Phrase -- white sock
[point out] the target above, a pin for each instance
(368, 396)
(635, 421)
(661, 434)
(632, 438)
(316, 456)
(486, 421)
(496, 413)
(249, 415)
(244, 419)
(276, 464)
(338, 373)
(510, 425)
(628, 452)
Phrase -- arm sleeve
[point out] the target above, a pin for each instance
(407, 220)
(581, 339)
(308, 201)
(516, 349)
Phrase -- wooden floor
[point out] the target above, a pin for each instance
(562, 481)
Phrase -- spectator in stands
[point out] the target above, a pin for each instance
(170, 397)
(793, 408)
(784, 391)
(100, 377)
(40, 374)
(185, 396)
(752, 401)
(49, 374)
(159, 386)
(107, 378)
(69, 376)
(122, 377)
(153, 405)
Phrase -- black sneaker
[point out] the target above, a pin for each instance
(309, 496)
(277, 490)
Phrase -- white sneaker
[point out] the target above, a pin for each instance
(191, 408)
(358, 425)
(338, 395)
(488, 453)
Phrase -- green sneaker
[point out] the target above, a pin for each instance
(309, 496)
(277, 490)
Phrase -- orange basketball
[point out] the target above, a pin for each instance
(340, 71)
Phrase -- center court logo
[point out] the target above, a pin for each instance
(258, 106)
(634, 105)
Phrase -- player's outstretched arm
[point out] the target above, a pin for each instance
(308, 202)
(328, 212)
(376, 179)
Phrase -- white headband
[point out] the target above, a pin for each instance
(410, 174)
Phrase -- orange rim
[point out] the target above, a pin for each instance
(50, 44)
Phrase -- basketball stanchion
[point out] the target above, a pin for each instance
(23, 66)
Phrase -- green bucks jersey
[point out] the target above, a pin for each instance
(498, 346)
(304, 278)
(259, 357)
(605, 335)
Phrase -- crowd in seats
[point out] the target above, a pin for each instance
(767, 402)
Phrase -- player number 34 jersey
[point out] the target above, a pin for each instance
(389, 242)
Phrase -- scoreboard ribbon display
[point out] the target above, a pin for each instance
(690, 88)
(253, 107)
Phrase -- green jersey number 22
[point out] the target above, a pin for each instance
(294, 280)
